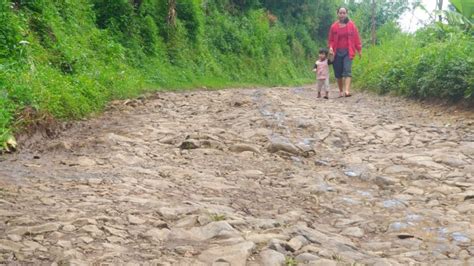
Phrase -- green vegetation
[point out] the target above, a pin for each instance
(67, 58)
(218, 217)
(437, 62)
(290, 261)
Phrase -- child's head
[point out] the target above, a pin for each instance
(323, 53)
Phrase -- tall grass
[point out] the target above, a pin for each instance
(434, 63)
(67, 58)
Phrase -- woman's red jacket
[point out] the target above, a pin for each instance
(354, 39)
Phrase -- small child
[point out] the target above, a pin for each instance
(321, 67)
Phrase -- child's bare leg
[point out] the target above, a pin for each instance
(318, 87)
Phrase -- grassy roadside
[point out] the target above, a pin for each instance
(433, 64)
(69, 104)
(66, 59)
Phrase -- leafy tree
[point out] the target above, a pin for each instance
(386, 11)
(461, 15)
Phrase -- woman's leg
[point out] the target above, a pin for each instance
(347, 84)
(340, 85)
(338, 66)
(347, 74)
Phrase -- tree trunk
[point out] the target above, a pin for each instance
(137, 3)
(373, 33)
(171, 19)
(440, 7)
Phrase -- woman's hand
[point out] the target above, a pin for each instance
(331, 51)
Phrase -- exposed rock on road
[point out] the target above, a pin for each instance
(245, 177)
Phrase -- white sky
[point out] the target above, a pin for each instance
(413, 20)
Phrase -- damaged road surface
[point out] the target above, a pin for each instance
(245, 177)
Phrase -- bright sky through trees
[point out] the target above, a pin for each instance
(415, 19)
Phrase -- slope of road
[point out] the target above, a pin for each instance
(245, 177)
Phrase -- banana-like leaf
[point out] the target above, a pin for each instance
(465, 7)
(455, 18)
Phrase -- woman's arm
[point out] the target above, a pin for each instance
(331, 39)
(357, 42)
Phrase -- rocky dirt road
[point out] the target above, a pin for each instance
(245, 177)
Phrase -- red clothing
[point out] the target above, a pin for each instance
(342, 37)
(353, 41)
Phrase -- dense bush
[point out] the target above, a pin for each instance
(430, 64)
(67, 58)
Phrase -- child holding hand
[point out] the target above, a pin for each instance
(321, 67)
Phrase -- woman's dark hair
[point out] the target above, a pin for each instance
(323, 51)
(346, 20)
(341, 7)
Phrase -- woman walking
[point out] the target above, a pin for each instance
(344, 43)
